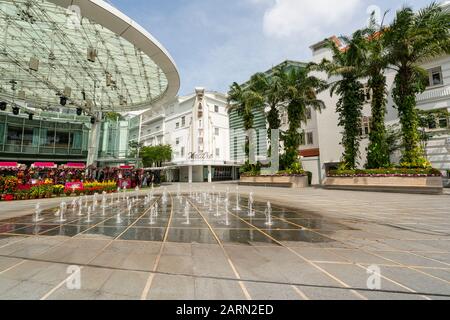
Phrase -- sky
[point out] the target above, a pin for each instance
(217, 42)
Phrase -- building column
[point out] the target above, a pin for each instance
(209, 174)
(94, 140)
(190, 174)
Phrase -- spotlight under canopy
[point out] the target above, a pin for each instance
(88, 46)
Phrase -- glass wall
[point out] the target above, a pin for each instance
(42, 137)
(115, 137)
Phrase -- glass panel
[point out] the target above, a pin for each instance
(62, 140)
(437, 79)
(14, 135)
(48, 138)
(2, 133)
(36, 137)
(28, 136)
(443, 123)
(76, 140)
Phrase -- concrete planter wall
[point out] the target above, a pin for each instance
(276, 181)
(428, 185)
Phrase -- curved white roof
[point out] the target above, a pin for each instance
(131, 71)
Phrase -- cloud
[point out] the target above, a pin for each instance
(287, 18)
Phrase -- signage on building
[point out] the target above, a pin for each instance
(200, 156)
(74, 185)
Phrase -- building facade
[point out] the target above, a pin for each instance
(197, 127)
(321, 149)
(62, 137)
(325, 153)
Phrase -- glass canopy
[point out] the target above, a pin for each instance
(51, 55)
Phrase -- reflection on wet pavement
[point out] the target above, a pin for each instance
(183, 219)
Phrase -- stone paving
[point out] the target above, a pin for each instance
(321, 246)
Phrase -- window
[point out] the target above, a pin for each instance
(367, 94)
(158, 128)
(200, 123)
(216, 109)
(364, 129)
(217, 131)
(200, 140)
(310, 138)
(435, 77)
(14, 136)
(182, 151)
(308, 114)
(177, 125)
(302, 139)
(217, 152)
(183, 121)
(443, 123)
(178, 141)
(284, 118)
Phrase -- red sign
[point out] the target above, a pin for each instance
(126, 167)
(8, 164)
(44, 165)
(74, 185)
(125, 183)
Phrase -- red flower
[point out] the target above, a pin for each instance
(8, 197)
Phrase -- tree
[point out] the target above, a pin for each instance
(155, 156)
(113, 116)
(347, 67)
(300, 92)
(134, 147)
(271, 92)
(411, 39)
(375, 64)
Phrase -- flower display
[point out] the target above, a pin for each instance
(393, 172)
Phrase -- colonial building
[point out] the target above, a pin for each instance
(325, 150)
(197, 128)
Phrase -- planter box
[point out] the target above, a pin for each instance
(427, 185)
(276, 181)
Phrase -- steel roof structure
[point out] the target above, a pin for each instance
(80, 54)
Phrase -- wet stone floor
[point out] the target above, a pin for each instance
(198, 246)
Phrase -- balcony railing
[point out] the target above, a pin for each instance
(433, 94)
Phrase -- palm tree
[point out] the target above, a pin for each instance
(374, 65)
(347, 67)
(411, 39)
(301, 91)
(244, 100)
(271, 91)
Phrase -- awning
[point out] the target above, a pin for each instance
(44, 165)
(9, 165)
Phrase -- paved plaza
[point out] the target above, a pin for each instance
(321, 246)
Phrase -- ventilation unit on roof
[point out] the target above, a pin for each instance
(34, 64)
(92, 54)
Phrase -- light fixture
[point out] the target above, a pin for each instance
(3, 105)
(15, 110)
(79, 111)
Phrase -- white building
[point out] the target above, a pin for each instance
(197, 128)
(322, 150)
